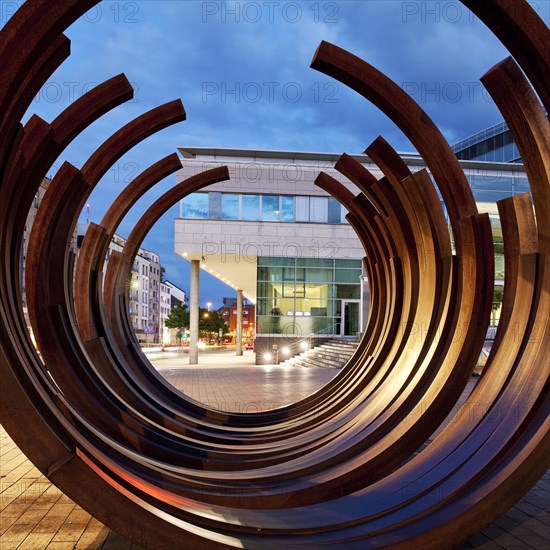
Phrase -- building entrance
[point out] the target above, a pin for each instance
(351, 317)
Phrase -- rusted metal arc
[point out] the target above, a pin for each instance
(387, 159)
(485, 455)
(531, 129)
(525, 36)
(90, 107)
(30, 32)
(471, 233)
(37, 151)
(124, 139)
(93, 252)
(96, 166)
(44, 427)
(410, 118)
(343, 195)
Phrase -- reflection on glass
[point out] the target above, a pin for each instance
(304, 293)
(318, 209)
(302, 209)
(287, 206)
(230, 206)
(195, 206)
(348, 292)
(348, 275)
(270, 208)
(251, 207)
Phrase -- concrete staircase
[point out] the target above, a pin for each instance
(333, 354)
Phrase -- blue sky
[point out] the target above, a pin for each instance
(242, 72)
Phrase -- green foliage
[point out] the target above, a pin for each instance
(209, 321)
(498, 295)
(212, 322)
(178, 317)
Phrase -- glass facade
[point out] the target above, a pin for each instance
(195, 206)
(265, 208)
(495, 188)
(250, 207)
(303, 296)
(495, 144)
(230, 206)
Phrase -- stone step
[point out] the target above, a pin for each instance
(332, 354)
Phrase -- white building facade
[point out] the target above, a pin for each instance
(271, 233)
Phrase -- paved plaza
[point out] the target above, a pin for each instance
(35, 515)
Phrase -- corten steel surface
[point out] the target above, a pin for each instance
(338, 468)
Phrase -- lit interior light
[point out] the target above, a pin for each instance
(185, 254)
(268, 356)
(304, 345)
(285, 351)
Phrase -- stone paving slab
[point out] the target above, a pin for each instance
(35, 515)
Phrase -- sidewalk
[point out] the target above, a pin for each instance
(35, 515)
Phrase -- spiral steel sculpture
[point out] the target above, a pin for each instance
(336, 468)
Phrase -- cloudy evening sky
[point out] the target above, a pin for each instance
(242, 72)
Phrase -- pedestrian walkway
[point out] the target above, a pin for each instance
(35, 515)
(233, 383)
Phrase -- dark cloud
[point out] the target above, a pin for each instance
(242, 70)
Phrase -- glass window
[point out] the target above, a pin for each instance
(343, 214)
(251, 207)
(318, 209)
(333, 210)
(314, 262)
(287, 207)
(522, 185)
(347, 275)
(349, 263)
(275, 260)
(270, 208)
(302, 209)
(318, 275)
(230, 206)
(262, 288)
(270, 273)
(348, 292)
(195, 206)
(490, 196)
(288, 274)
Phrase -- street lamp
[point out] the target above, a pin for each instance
(208, 305)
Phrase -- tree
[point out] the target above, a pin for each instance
(212, 322)
(162, 274)
(178, 317)
(498, 296)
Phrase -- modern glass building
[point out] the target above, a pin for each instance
(301, 296)
(495, 144)
(272, 234)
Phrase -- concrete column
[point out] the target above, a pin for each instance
(194, 313)
(239, 322)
